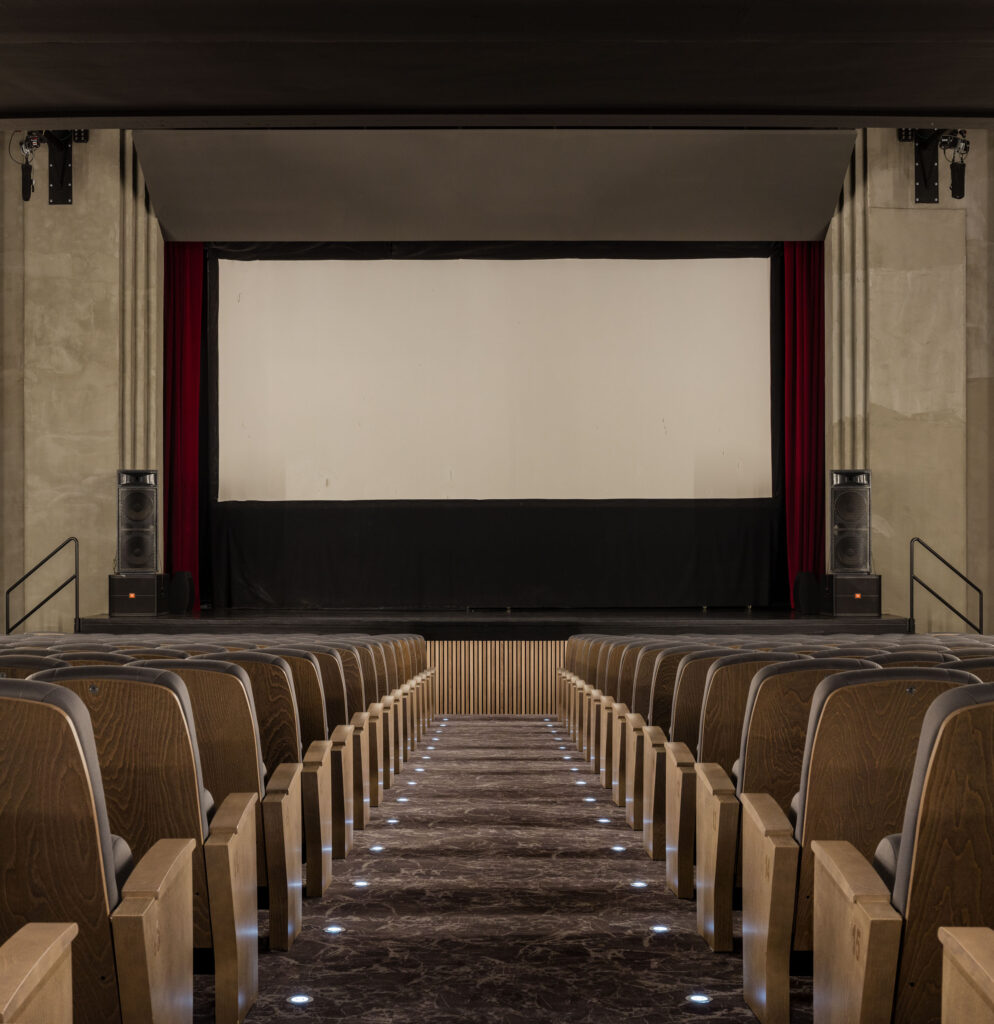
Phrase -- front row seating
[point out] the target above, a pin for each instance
(876, 944)
(133, 957)
(146, 743)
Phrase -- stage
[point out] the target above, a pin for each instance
(500, 624)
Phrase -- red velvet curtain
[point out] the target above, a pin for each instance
(804, 407)
(184, 283)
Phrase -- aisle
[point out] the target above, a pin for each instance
(494, 894)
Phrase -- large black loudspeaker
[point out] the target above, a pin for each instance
(136, 521)
(850, 512)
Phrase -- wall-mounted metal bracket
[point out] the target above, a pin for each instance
(927, 166)
(59, 168)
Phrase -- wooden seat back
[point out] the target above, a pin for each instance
(354, 682)
(52, 839)
(626, 669)
(982, 668)
(392, 668)
(682, 673)
(149, 760)
(726, 693)
(150, 652)
(192, 647)
(607, 667)
(967, 652)
(775, 725)
(275, 704)
(591, 657)
(308, 688)
(373, 671)
(336, 704)
(87, 658)
(915, 659)
(20, 666)
(645, 664)
(227, 730)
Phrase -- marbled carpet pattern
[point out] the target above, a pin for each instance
(497, 897)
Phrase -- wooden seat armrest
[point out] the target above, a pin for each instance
(764, 812)
(714, 779)
(282, 779)
(317, 752)
(972, 951)
(235, 810)
(360, 718)
(850, 871)
(680, 753)
(341, 735)
(27, 960)
(158, 869)
(153, 932)
(654, 736)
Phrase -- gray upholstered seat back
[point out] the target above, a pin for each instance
(68, 702)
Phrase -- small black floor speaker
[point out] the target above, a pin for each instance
(137, 594)
(855, 594)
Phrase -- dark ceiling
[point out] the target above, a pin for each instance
(174, 63)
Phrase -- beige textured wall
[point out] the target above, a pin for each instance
(81, 360)
(908, 366)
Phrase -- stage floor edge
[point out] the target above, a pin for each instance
(497, 625)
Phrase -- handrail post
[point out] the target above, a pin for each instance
(911, 589)
(75, 621)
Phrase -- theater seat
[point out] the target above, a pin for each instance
(146, 741)
(852, 713)
(60, 862)
(873, 939)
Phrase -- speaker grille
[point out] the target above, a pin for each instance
(137, 505)
(136, 521)
(850, 522)
(851, 551)
(852, 507)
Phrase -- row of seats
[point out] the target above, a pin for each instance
(152, 790)
(844, 784)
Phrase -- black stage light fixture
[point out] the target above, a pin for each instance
(956, 145)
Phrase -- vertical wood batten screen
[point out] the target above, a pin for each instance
(496, 677)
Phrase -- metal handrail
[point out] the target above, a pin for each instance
(978, 626)
(8, 628)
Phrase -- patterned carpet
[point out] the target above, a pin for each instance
(494, 895)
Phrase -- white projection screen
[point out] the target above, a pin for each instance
(493, 379)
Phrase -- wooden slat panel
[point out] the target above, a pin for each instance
(496, 677)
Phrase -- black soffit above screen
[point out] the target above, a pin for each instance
(317, 63)
(549, 185)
